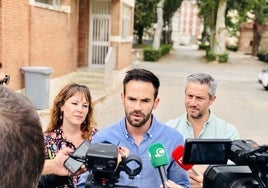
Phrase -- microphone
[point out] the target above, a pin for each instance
(177, 155)
(159, 158)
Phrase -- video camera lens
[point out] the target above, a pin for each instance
(229, 176)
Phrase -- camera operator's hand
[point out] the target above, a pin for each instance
(123, 151)
(196, 175)
(171, 184)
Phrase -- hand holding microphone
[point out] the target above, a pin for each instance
(171, 184)
(159, 158)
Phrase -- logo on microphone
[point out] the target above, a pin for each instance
(180, 160)
(160, 152)
(158, 155)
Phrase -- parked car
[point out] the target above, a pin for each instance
(263, 78)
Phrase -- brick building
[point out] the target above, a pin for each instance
(64, 35)
(187, 26)
(246, 38)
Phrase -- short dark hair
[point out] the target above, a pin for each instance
(21, 139)
(142, 75)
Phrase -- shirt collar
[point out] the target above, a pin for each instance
(209, 118)
(123, 127)
(153, 127)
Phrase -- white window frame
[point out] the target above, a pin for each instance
(126, 18)
(54, 3)
(51, 5)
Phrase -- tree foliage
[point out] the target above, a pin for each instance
(170, 7)
(144, 16)
(208, 12)
(258, 10)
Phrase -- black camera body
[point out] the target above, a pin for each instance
(250, 168)
(248, 152)
(101, 159)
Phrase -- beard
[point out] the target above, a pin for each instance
(194, 113)
(196, 116)
(143, 118)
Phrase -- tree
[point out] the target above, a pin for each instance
(144, 16)
(159, 25)
(165, 11)
(170, 7)
(220, 30)
(215, 17)
(208, 12)
(260, 19)
(151, 11)
(258, 10)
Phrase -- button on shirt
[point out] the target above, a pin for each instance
(158, 133)
(213, 128)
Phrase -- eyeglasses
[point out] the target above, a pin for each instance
(5, 80)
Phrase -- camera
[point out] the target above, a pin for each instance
(249, 168)
(101, 160)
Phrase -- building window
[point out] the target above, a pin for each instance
(126, 16)
(51, 5)
(49, 2)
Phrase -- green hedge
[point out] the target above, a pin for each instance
(223, 58)
(232, 48)
(203, 46)
(210, 56)
(150, 54)
(165, 49)
(262, 56)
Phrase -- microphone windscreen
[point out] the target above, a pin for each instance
(177, 155)
(158, 155)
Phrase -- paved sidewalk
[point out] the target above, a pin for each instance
(241, 100)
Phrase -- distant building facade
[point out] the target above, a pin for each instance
(187, 26)
(245, 38)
